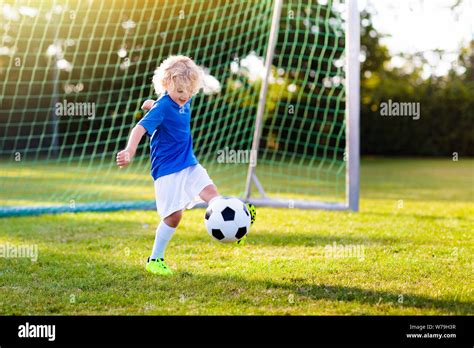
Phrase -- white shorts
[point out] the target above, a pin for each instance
(180, 190)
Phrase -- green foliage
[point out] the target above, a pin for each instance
(446, 103)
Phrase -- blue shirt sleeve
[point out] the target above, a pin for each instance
(152, 119)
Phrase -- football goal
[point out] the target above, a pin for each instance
(277, 122)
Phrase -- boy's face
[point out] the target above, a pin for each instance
(179, 95)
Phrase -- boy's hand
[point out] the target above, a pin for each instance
(124, 158)
(148, 104)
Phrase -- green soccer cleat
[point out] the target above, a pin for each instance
(252, 211)
(158, 266)
(253, 215)
(241, 241)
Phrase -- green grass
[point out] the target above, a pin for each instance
(414, 235)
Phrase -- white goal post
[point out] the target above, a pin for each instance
(352, 110)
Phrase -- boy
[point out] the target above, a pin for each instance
(177, 174)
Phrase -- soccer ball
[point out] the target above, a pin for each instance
(227, 219)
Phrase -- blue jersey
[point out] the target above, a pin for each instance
(169, 127)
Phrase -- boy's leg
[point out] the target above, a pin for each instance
(164, 232)
(208, 193)
(156, 262)
(173, 220)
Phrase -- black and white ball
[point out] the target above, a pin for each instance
(227, 219)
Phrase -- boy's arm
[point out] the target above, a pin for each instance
(147, 104)
(124, 157)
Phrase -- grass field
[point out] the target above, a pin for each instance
(408, 251)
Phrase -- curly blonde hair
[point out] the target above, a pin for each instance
(178, 72)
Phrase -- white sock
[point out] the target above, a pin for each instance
(162, 237)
